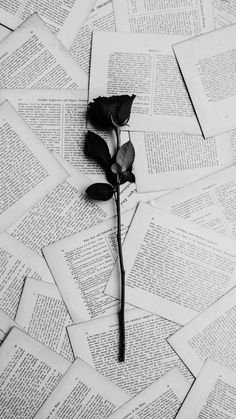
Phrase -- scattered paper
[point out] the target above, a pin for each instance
(168, 160)
(17, 262)
(29, 373)
(6, 324)
(83, 392)
(81, 266)
(43, 315)
(36, 59)
(160, 400)
(4, 32)
(64, 19)
(213, 394)
(144, 65)
(210, 202)
(174, 268)
(209, 335)
(28, 170)
(64, 211)
(225, 12)
(148, 354)
(101, 18)
(169, 17)
(207, 64)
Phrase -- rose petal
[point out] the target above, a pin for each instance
(123, 113)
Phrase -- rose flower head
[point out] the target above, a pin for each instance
(108, 112)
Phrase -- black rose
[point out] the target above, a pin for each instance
(108, 112)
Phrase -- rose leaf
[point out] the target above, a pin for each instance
(96, 148)
(125, 156)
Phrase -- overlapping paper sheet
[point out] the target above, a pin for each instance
(207, 65)
(148, 354)
(37, 59)
(64, 20)
(174, 268)
(212, 395)
(180, 253)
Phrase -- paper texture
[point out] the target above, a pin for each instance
(64, 211)
(64, 19)
(209, 202)
(174, 268)
(212, 395)
(225, 12)
(101, 18)
(129, 197)
(232, 135)
(160, 400)
(81, 266)
(169, 160)
(6, 324)
(4, 32)
(144, 65)
(17, 262)
(81, 393)
(171, 17)
(29, 372)
(209, 335)
(207, 65)
(37, 59)
(148, 354)
(28, 170)
(58, 118)
(43, 315)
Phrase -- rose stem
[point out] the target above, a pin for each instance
(122, 269)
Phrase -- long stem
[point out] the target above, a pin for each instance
(122, 269)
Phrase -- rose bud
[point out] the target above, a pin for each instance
(108, 112)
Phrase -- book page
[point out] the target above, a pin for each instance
(181, 17)
(174, 268)
(29, 373)
(6, 324)
(58, 118)
(209, 335)
(82, 393)
(148, 354)
(28, 170)
(91, 168)
(101, 18)
(144, 65)
(209, 202)
(17, 262)
(81, 266)
(43, 315)
(160, 400)
(64, 19)
(213, 394)
(37, 59)
(169, 160)
(225, 12)
(232, 135)
(4, 32)
(64, 211)
(207, 66)
(129, 195)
